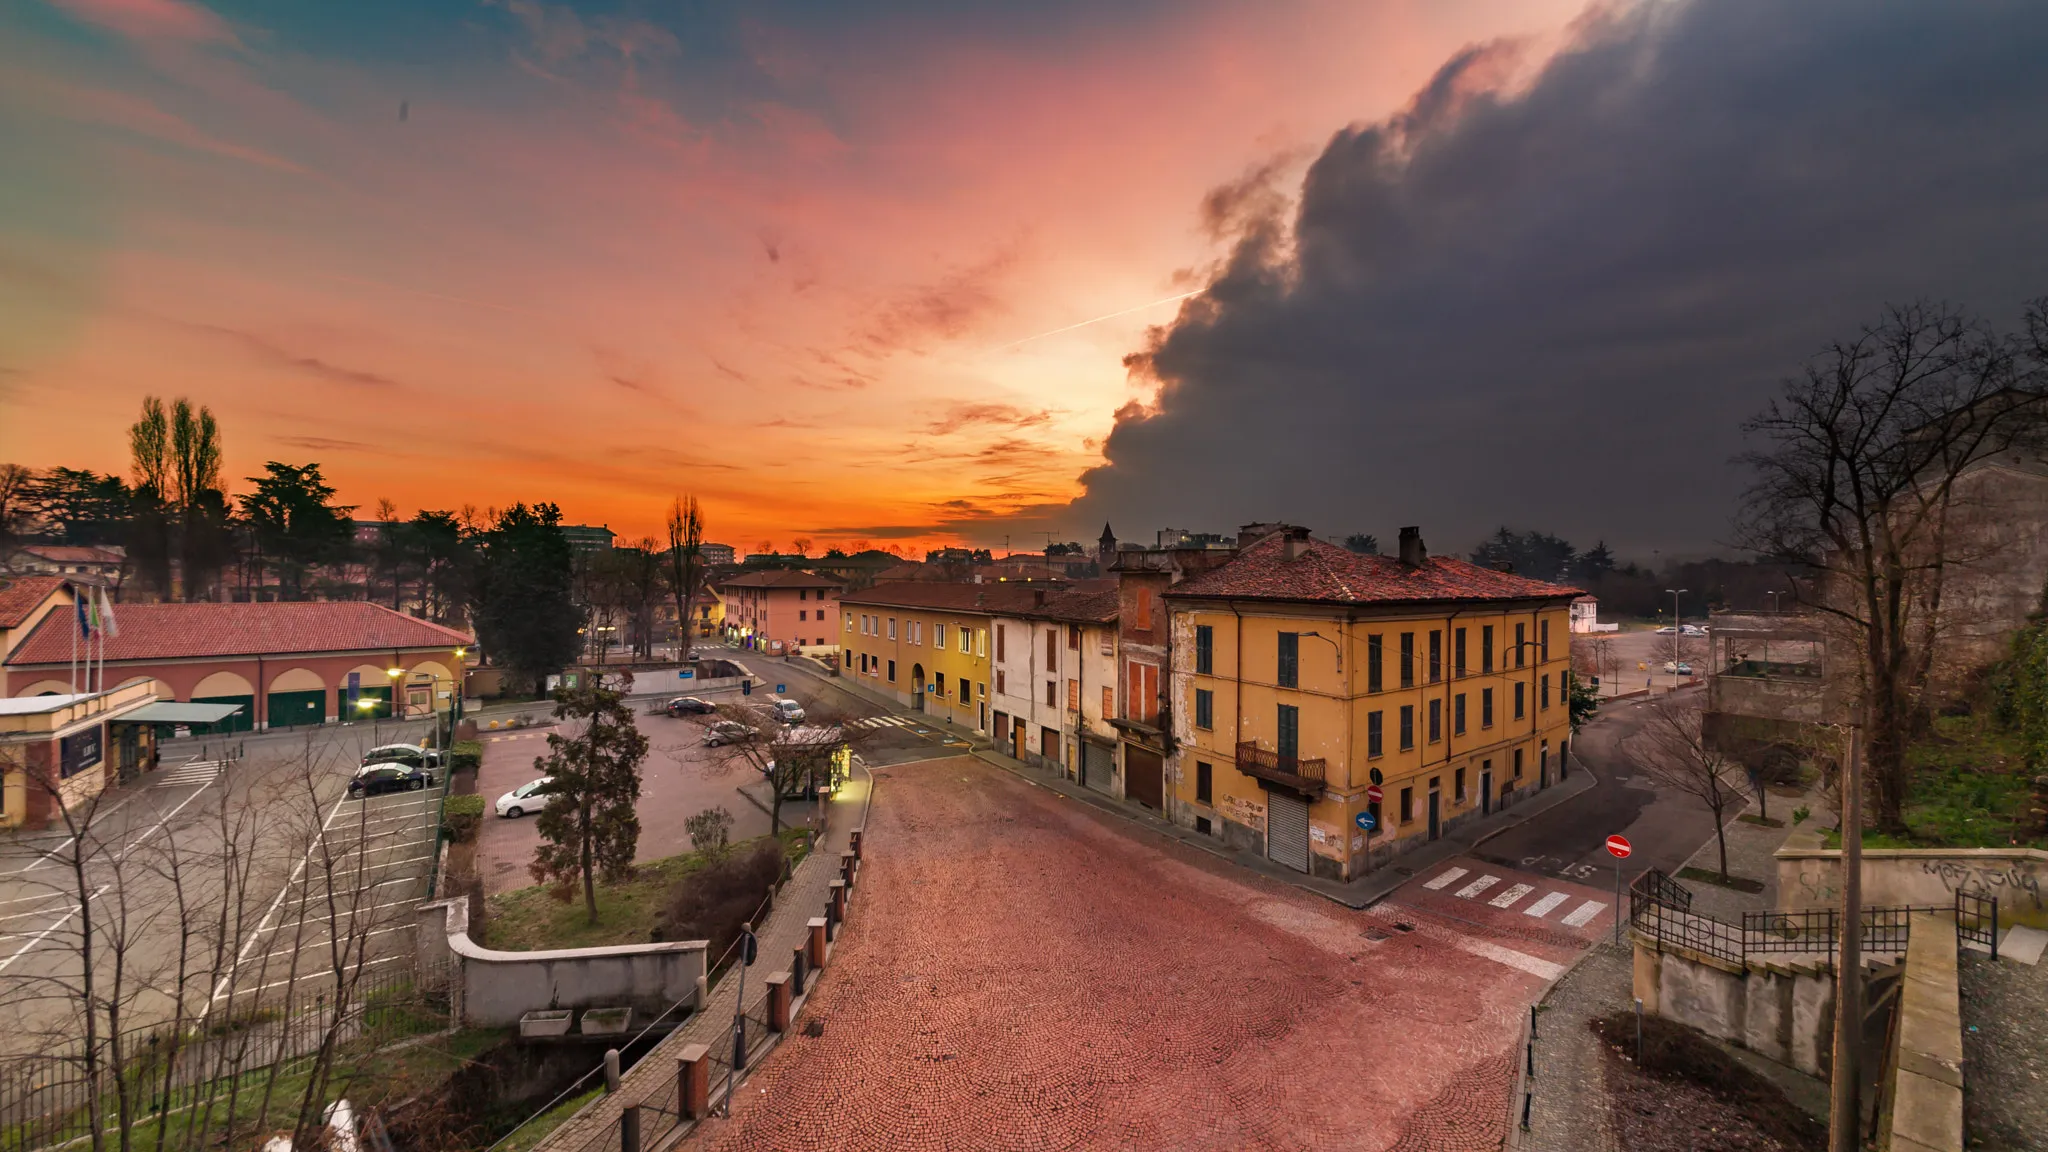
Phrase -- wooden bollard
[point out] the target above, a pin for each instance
(838, 889)
(817, 927)
(856, 843)
(693, 1080)
(778, 1002)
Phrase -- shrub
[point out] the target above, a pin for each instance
(465, 754)
(460, 816)
(712, 902)
(709, 830)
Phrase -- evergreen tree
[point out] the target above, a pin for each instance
(294, 523)
(1364, 543)
(526, 612)
(589, 828)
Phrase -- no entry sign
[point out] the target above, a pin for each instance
(1374, 795)
(1619, 847)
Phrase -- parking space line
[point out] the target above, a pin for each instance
(45, 933)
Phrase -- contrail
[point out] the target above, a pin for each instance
(1099, 319)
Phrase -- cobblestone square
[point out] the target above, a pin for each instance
(1022, 972)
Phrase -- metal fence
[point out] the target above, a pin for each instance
(1660, 909)
(48, 1099)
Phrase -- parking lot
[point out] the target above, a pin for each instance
(681, 777)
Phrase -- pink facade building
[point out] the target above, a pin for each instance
(781, 610)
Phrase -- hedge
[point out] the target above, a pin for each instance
(465, 754)
(460, 816)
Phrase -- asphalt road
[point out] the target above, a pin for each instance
(258, 857)
(1569, 841)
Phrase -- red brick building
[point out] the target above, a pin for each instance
(285, 663)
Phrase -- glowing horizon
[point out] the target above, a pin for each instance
(840, 281)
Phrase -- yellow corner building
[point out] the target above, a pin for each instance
(927, 644)
(1301, 669)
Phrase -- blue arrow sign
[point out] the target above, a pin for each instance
(781, 688)
(1366, 822)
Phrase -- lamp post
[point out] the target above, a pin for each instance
(1677, 637)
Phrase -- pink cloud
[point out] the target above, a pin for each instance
(152, 19)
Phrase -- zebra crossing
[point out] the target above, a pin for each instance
(191, 772)
(1481, 888)
(884, 722)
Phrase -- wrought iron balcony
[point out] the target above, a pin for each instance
(1304, 776)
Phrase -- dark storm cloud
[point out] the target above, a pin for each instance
(1554, 308)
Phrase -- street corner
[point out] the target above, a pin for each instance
(1539, 909)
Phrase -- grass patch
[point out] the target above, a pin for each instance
(540, 1126)
(531, 919)
(1709, 876)
(1970, 789)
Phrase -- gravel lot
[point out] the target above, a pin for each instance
(2005, 1062)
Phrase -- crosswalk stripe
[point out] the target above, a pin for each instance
(1445, 880)
(1543, 907)
(197, 772)
(1584, 913)
(1476, 887)
(1507, 899)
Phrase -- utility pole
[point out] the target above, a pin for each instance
(1844, 1121)
(1678, 637)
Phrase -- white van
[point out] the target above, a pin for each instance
(786, 710)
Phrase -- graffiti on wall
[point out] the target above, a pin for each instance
(2007, 882)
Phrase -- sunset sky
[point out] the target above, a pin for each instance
(821, 269)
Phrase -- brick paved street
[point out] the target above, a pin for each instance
(1026, 973)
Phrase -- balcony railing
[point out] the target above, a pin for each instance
(1291, 771)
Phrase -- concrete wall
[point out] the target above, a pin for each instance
(1783, 1011)
(1810, 876)
(494, 989)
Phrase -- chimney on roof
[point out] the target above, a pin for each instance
(1295, 543)
(1413, 553)
(1038, 597)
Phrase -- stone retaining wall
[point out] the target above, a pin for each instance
(493, 989)
(1785, 1011)
(1810, 876)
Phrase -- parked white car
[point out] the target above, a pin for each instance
(523, 799)
(788, 711)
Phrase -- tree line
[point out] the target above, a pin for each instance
(535, 601)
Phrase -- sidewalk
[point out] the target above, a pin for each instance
(1359, 893)
(1569, 1109)
(653, 1077)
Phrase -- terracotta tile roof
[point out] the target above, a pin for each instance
(996, 599)
(1078, 605)
(73, 553)
(171, 631)
(1327, 574)
(20, 596)
(781, 578)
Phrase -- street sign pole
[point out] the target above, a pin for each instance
(1619, 848)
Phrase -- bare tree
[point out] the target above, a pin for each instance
(685, 565)
(1679, 757)
(795, 760)
(1856, 485)
(801, 545)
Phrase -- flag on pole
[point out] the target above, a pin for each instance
(111, 626)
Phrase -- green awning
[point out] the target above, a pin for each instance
(174, 712)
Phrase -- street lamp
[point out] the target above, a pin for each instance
(1677, 645)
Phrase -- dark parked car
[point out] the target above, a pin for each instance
(690, 706)
(377, 779)
(410, 755)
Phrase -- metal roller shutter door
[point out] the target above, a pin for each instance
(292, 708)
(1287, 830)
(1098, 767)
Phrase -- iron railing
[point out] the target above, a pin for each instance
(1977, 920)
(169, 1072)
(1660, 910)
(1306, 775)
